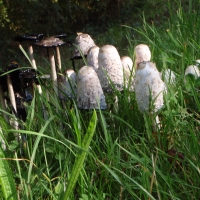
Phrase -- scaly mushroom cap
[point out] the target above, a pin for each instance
(68, 85)
(110, 68)
(129, 72)
(148, 85)
(142, 53)
(192, 69)
(89, 91)
(84, 42)
(92, 57)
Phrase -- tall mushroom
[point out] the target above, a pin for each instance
(92, 57)
(142, 53)
(30, 39)
(149, 86)
(129, 72)
(110, 73)
(83, 43)
(89, 91)
(51, 43)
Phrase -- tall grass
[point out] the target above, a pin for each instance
(122, 160)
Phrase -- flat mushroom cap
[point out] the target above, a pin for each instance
(89, 92)
(110, 68)
(84, 42)
(192, 69)
(50, 42)
(92, 57)
(68, 85)
(148, 84)
(142, 53)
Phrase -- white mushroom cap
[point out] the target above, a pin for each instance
(142, 53)
(89, 91)
(110, 68)
(84, 42)
(127, 63)
(92, 57)
(68, 85)
(148, 85)
(168, 76)
(128, 70)
(192, 69)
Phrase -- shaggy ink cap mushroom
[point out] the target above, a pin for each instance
(128, 71)
(68, 85)
(92, 57)
(89, 91)
(84, 42)
(50, 43)
(192, 69)
(110, 71)
(148, 86)
(142, 53)
(168, 76)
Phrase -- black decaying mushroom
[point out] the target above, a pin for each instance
(30, 38)
(51, 43)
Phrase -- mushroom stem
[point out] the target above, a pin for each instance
(13, 103)
(53, 70)
(2, 101)
(58, 58)
(30, 51)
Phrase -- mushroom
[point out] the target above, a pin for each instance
(149, 86)
(110, 71)
(168, 76)
(68, 85)
(92, 57)
(129, 72)
(51, 43)
(83, 43)
(30, 39)
(89, 91)
(142, 53)
(192, 69)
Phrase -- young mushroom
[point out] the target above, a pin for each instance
(142, 53)
(89, 91)
(83, 43)
(129, 72)
(149, 89)
(110, 73)
(192, 69)
(92, 57)
(68, 85)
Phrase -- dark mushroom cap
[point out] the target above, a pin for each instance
(50, 42)
(29, 37)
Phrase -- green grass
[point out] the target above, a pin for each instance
(76, 154)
